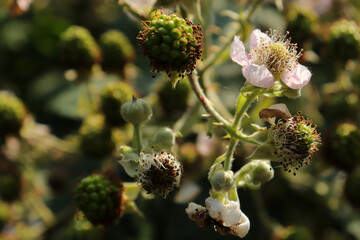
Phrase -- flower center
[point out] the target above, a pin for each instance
(278, 54)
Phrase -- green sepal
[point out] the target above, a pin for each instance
(131, 207)
(264, 151)
(130, 163)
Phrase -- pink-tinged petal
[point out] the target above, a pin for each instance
(259, 76)
(238, 53)
(256, 37)
(297, 78)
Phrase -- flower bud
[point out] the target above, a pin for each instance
(117, 51)
(344, 40)
(96, 137)
(136, 111)
(78, 48)
(12, 114)
(171, 43)
(164, 139)
(255, 173)
(99, 197)
(112, 97)
(159, 173)
(222, 181)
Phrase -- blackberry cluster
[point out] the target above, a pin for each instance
(12, 114)
(96, 137)
(113, 96)
(78, 49)
(116, 51)
(171, 43)
(343, 146)
(344, 41)
(99, 197)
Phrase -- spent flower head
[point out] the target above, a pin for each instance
(272, 56)
(294, 139)
(159, 173)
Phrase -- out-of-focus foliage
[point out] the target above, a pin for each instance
(73, 64)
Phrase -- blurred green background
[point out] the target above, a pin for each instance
(73, 80)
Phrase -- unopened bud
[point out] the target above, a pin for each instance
(164, 139)
(136, 111)
(222, 181)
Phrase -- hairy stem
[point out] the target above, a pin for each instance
(242, 106)
(137, 145)
(207, 104)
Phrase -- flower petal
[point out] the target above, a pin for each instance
(259, 76)
(229, 214)
(242, 228)
(256, 37)
(297, 78)
(238, 53)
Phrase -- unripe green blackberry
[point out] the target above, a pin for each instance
(352, 186)
(96, 137)
(117, 51)
(294, 140)
(174, 101)
(342, 146)
(99, 197)
(344, 40)
(78, 48)
(12, 114)
(171, 43)
(302, 23)
(136, 111)
(113, 96)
